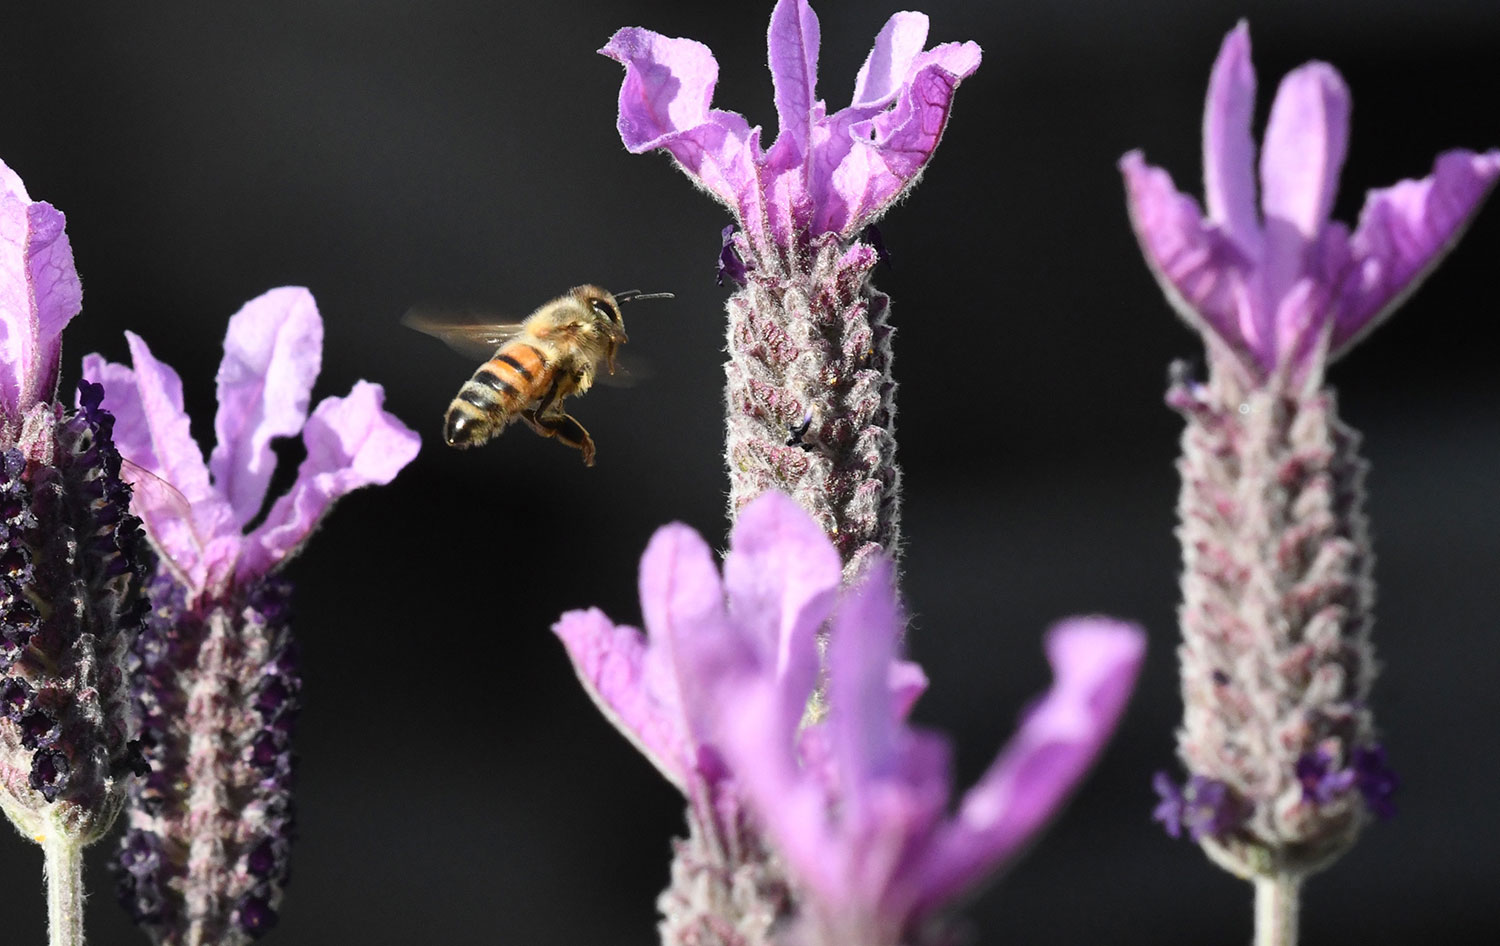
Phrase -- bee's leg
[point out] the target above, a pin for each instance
(565, 428)
(547, 400)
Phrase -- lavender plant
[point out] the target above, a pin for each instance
(863, 850)
(215, 674)
(810, 396)
(1285, 765)
(71, 600)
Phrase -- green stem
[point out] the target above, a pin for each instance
(64, 873)
(1276, 901)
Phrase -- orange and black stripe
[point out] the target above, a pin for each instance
(508, 380)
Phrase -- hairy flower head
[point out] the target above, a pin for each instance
(71, 579)
(216, 676)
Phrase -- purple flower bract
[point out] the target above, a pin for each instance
(855, 800)
(1275, 284)
(272, 353)
(824, 173)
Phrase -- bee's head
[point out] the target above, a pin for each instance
(606, 307)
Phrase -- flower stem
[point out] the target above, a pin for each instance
(64, 874)
(1276, 900)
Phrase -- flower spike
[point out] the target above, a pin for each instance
(216, 677)
(1278, 739)
(808, 333)
(73, 565)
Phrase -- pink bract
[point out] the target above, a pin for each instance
(39, 295)
(857, 803)
(824, 173)
(1281, 287)
(196, 513)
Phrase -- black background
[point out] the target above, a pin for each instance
(457, 786)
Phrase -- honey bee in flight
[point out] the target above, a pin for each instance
(533, 366)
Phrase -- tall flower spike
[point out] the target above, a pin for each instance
(809, 337)
(1278, 599)
(216, 675)
(862, 827)
(71, 599)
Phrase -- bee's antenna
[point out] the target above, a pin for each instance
(635, 295)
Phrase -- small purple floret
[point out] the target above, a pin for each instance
(1169, 810)
(1376, 781)
(1321, 782)
(49, 773)
(731, 265)
(15, 696)
(256, 916)
(1207, 807)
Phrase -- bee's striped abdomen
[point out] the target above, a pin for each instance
(508, 381)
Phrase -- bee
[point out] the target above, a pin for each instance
(533, 366)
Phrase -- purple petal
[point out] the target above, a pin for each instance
(1404, 231)
(791, 804)
(664, 103)
(39, 294)
(1094, 664)
(890, 149)
(351, 442)
(1170, 809)
(863, 724)
(1228, 147)
(1203, 273)
(189, 523)
(610, 662)
(682, 603)
(1306, 139)
(792, 41)
(908, 683)
(166, 426)
(272, 352)
(885, 70)
(782, 575)
(132, 435)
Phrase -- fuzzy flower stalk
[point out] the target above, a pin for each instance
(810, 396)
(71, 572)
(1282, 755)
(215, 673)
(857, 843)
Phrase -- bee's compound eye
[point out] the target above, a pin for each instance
(604, 310)
(460, 429)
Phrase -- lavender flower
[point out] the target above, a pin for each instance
(856, 802)
(216, 675)
(808, 334)
(1286, 290)
(70, 573)
(1277, 591)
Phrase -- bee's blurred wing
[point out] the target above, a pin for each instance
(630, 370)
(468, 336)
(167, 517)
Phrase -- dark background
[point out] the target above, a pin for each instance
(457, 786)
